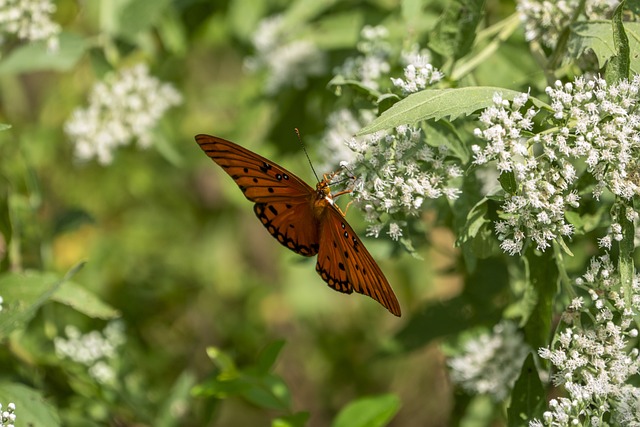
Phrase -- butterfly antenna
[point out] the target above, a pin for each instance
(306, 154)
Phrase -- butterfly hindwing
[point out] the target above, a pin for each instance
(346, 265)
(260, 179)
(292, 224)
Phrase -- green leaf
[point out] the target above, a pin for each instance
(36, 57)
(542, 286)
(339, 81)
(508, 181)
(268, 357)
(268, 391)
(138, 16)
(618, 67)
(83, 301)
(440, 103)
(221, 389)
(368, 412)
(31, 407)
(598, 37)
(626, 248)
(455, 31)
(24, 293)
(223, 362)
(299, 419)
(527, 397)
(4, 126)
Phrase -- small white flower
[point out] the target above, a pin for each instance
(395, 231)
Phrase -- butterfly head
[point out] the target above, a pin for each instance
(323, 191)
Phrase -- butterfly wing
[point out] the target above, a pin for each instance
(282, 200)
(346, 265)
(261, 180)
(292, 224)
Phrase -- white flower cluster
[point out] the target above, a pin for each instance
(601, 125)
(8, 417)
(491, 363)
(536, 209)
(594, 127)
(29, 20)
(545, 20)
(95, 349)
(593, 357)
(124, 106)
(288, 62)
(396, 173)
(372, 63)
(418, 71)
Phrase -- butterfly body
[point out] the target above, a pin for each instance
(304, 219)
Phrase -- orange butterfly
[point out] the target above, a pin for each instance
(305, 220)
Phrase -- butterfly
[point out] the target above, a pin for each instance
(304, 219)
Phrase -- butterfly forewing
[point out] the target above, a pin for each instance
(346, 265)
(260, 179)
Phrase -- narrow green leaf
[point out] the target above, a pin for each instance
(527, 397)
(222, 389)
(84, 301)
(368, 412)
(542, 286)
(440, 103)
(223, 362)
(32, 409)
(268, 356)
(269, 392)
(625, 258)
(618, 67)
